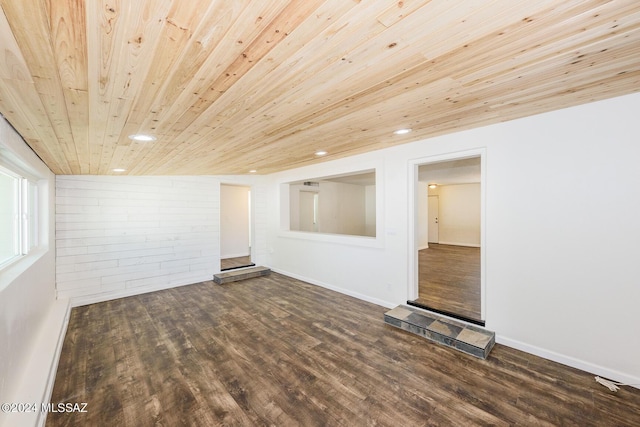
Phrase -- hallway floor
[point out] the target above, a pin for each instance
(449, 279)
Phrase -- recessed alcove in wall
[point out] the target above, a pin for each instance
(342, 204)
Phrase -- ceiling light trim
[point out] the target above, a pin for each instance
(141, 137)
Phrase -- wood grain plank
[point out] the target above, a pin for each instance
(139, 38)
(269, 24)
(14, 92)
(182, 24)
(30, 25)
(334, 102)
(251, 91)
(68, 33)
(449, 279)
(267, 351)
(229, 86)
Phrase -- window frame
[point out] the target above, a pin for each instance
(25, 221)
(377, 241)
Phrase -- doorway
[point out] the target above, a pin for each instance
(235, 227)
(448, 224)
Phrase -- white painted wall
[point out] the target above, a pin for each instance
(234, 221)
(32, 322)
(341, 208)
(119, 236)
(422, 200)
(556, 284)
(370, 210)
(459, 214)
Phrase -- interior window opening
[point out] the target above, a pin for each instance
(344, 204)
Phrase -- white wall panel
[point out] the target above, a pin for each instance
(126, 235)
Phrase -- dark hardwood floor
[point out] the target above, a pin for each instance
(449, 279)
(277, 351)
(238, 262)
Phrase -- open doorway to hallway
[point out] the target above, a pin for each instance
(235, 227)
(448, 236)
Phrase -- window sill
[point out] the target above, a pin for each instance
(342, 239)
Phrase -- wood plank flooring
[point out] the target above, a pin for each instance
(449, 279)
(277, 351)
(237, 262)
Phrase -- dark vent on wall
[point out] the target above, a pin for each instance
(311, 184)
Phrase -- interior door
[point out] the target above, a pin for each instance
(432, 213)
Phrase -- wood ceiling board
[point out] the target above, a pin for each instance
(237, 97)
(473, 115)
(67, 23)
(221, 68)
(19, 92)
(181, 26)
(339, 91)
(138, 36)
(170, 119)
(556, 40)
(17, 89)
(223, 110)
(15, 67)
(30, 27)
(79, 77)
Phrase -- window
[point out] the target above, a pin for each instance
(18, 215)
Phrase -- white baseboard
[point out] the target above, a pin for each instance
(358, 295)
(65, 308)
(470, 245)
(77, 301)
(423, 247)
(572, 362)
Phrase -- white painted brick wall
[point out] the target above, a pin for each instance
(118, 236)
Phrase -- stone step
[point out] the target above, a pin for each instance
(240, 274)
(462, 336)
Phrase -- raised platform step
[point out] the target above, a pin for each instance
(467, 338)
(240, 274)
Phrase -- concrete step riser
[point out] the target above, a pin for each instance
(240, 274)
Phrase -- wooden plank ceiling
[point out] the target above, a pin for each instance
(228, 86)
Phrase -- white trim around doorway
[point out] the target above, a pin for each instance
(412, 286)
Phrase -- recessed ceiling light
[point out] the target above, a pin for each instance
(142, 137)
(432, 185)
(321, 153)
(402, 131)
(119, 170)
(253, 171)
